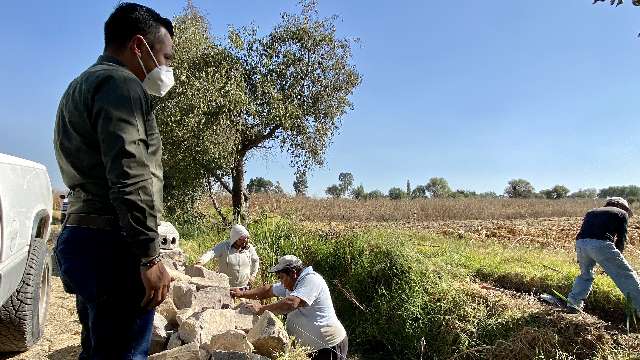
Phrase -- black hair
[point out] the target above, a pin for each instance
(290, 270)
(129, 20)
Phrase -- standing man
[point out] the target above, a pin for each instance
(109, 153)
(305, 297)
(237, 258)
(601, 240)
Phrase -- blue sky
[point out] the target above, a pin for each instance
(478, 92)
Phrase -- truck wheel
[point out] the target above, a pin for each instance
(23, 315)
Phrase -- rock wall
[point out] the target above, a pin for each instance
(199, 320)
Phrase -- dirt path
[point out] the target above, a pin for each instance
(61, 339)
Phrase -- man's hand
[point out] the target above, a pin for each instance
(235, 292)
(156, 282)
(255, 308)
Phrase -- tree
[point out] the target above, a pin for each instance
(463, 194)
(629, 192)
(287, 90)
(488, 195)
(277, 189)
(419, 192)
(334, 191)
(346, 181)
(300, 185)
(519, 188)
(395, 193)
(590, 193)
(617, 2)
(359, 193)
(408, 188)
(259, 185)
(438, 187)
(557, 192)
(375, 194)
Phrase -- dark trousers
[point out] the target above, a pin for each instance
(338, 352)
(98, 268)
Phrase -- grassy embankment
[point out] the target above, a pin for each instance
(396, 291)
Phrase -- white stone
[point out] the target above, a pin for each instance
(178, 275)
(184, 295)
(202, 283)
(158, 334)
(269, 336)
(183, 315)
(185, 352)
(245, 319)
(174, 341)
(212, 298)
(190, 331)
(235, 355)
(214, 322)
(169, 311)
(231, 340)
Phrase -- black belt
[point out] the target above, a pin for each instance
(92, 221)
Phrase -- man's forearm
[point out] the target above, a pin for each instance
(263, 292)
(281, 307)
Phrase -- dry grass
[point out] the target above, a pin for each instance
(386, 210)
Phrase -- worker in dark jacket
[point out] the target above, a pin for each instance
(109, 152)
(601, 240)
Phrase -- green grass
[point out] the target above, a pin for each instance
(394, 290)
(523, 269)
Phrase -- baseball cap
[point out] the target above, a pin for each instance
(284, 262)
(619, 202)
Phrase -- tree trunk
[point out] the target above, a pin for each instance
(237, 195)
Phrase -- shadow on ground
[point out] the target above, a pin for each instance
(68, 353)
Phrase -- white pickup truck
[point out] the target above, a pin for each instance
(25, 218)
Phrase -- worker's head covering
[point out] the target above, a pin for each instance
(619, 203)
(285, 262)
(237, 231)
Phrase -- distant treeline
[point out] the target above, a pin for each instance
(438, 187)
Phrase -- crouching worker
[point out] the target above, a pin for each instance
(601, 240)
(305, 297)
(237, 258)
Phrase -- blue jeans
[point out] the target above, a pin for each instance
(590, 252)
(98, 268)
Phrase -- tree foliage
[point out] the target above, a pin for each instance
(358, 193)
(375, 194)
(334, 191)
(259, 185)
(629, 192)
(438, 187)
(419, 192)
(300, 184)
(396, 193)
(346, 181)
(286, 90)
(590, 193)
(556, 192)
(519, 188)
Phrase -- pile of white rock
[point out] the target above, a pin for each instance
(200, 321)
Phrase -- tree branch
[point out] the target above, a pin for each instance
(222, 183)
(216, 206)
(255, 141)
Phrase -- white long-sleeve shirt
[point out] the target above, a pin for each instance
(238, 265)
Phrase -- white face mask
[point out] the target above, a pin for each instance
(160, 80)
